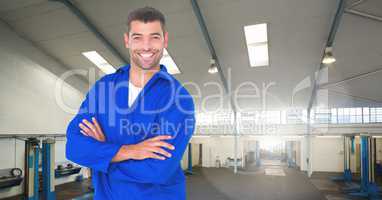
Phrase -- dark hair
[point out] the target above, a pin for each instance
(146, 14)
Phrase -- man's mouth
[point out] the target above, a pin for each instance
(146, 55)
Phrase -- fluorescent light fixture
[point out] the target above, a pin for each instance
(169, 63)
(256, 37)
(99, 61)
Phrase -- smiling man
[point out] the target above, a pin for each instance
(134, 125)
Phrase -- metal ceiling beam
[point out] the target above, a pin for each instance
(358, 13)
(356, 97)
(329, 43)
(211, 47)
(85, 21)
(206, 35)
(358, 76)
(363, 14)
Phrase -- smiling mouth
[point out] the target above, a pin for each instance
(146, 55)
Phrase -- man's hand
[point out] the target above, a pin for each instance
(150, 148)
(92, 130)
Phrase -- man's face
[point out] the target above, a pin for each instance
(145, 42)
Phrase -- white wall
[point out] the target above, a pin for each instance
(218, 147)
(327, 154)
(28, 96)
(379, 150)
(28, 99)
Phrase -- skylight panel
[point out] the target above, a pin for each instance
(99, 61)
(167, 60)
(256, 37)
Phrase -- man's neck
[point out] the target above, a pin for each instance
(139, 77)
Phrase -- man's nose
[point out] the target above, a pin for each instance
(146, 44)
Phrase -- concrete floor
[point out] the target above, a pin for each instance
(272, 182)
(249, 185)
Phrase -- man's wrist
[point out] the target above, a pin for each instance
(126, 152)
(122, 154)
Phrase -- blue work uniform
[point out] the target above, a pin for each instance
(164, 107)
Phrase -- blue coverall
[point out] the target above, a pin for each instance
(164, 107)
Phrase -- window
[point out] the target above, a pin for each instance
(256, 37)
(296, 116)
(375, 115)
(322, 116)
(355, 115)
(366, 115)
(273, 117)
(334, 116)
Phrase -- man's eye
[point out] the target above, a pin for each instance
(136, 38)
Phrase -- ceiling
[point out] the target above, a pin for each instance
(298, 31)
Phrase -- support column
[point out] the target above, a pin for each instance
(236, 134)
(365, 162)
(308, 155)
(368, 186)
(289, 147)
(31, 184)
(189, 158)
(48, 165)
(258, 160)
(347, 153)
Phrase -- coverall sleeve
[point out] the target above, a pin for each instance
(175, 122)
(84, 150)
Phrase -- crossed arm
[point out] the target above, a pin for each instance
(149, 161)
(154, 160)
(150, 148)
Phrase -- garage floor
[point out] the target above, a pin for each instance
(270, 182)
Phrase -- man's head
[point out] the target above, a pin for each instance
(146, 37)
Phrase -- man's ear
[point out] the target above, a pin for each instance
(126, 38)
(165, 39)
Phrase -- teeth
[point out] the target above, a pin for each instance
(146, 55)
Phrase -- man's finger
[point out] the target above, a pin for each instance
(159, 151)
(162, 144)
(161, 137)
(96, 124)
(97, 130)
(87, 130)
(84, 128)
(84, 133)
(155, 156)
(89, 125)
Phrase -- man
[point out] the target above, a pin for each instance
(134, 125)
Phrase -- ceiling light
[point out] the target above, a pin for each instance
(99, 61)
(213, 69)
(328, 58)
(256, 37)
